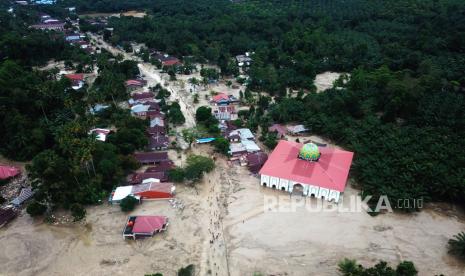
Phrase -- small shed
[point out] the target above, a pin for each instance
(24, 195)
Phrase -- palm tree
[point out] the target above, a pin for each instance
(457, 245)
(194, 82)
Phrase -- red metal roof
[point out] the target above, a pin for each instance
(148, 224)
(162, 167)
(135, 82)
(278, 128)
(75, 77)
(164, 187)
(219, 97)
(151, 156)
(8, 171)
(137, 178)
(256, 158)
(171, 62)
(330, 171)
(156, 130)
(142, 96)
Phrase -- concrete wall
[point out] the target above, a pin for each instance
(308, 189)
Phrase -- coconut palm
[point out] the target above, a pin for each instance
(457, 245)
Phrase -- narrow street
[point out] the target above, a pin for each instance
(153, 76)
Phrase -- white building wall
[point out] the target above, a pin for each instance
(334, 195)
(284, 183)
(274, 181)
(265, 180)
(313, 190)
(308, 189)
(323, 193)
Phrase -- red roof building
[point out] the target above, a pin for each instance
(138, 178)
(159, 142)
(142, 97)
(151, 158)
(149, 190)
(314, 171)
(135, 83)
(171, 62)
(75, 77)
(220, 98)
(154, 190)
(8, 172)
(162, 167)
(156, 130)
(144, 226)
(279, 129)
(165, 59)
(77, 80)
(256, 160)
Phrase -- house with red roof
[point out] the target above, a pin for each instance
(141, 97)
(144, 226)
(162, 167)
(134, 84)
(256, 160)
(138, 178)
(151, 158)
(148, 190)
(159, 142)
(156, 130)
(223, 99)
(280, 130)
(165, 59)
(7, 172)
(307, 169)
(77, 80)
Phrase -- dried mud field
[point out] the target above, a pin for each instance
(224, 229)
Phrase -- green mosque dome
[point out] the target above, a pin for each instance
(309, 152)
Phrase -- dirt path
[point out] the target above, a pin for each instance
(153, 76)
(214, 254)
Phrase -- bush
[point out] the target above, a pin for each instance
(4, 181)
(203, 114)
(186, 271)
(197, 165)
(176, 175)
(350, 268)
(221, 145)
(406, 268)
(35, 208)
(77, 211)
(128, 203)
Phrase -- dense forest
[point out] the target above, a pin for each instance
(293, 40)
(402, 109)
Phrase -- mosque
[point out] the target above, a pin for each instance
(307, 169)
